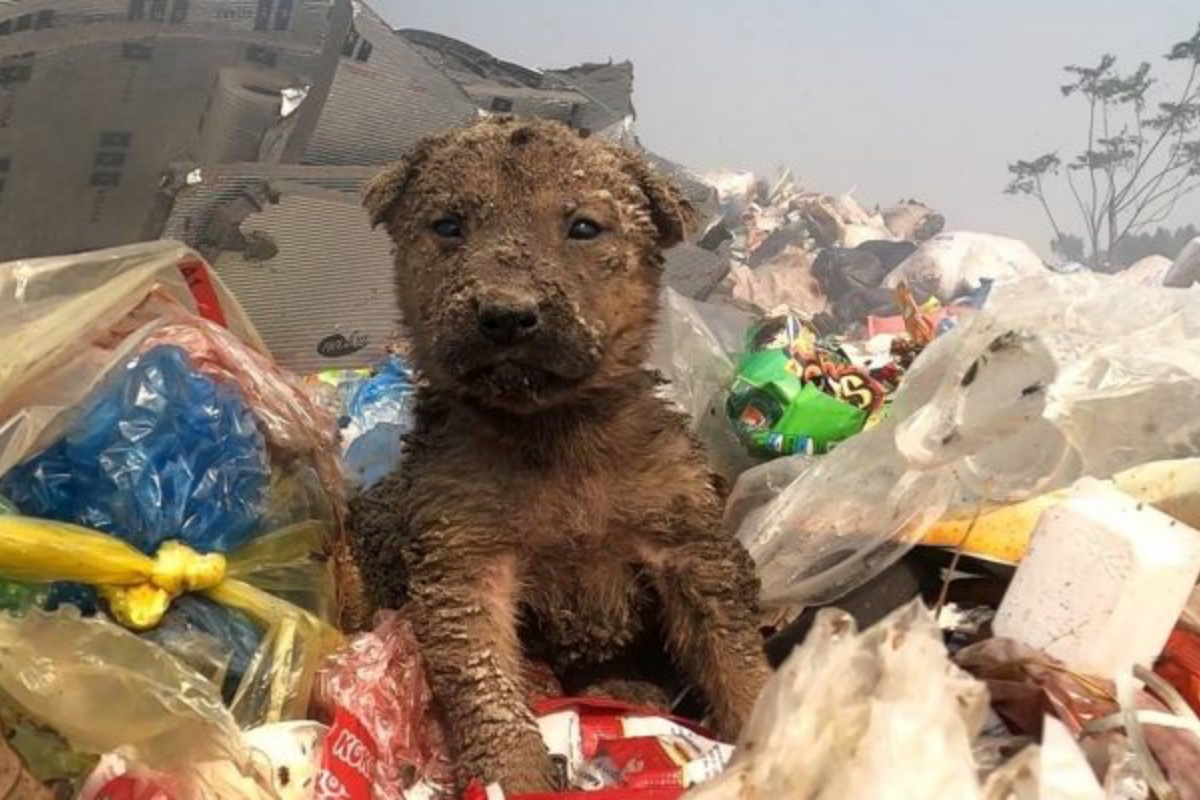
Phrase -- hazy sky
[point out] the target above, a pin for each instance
(926, 98)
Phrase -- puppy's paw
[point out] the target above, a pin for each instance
(517, 760)
(635, 692)
(740, 691)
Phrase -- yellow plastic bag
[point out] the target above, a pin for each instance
(1001, 533)
(139, 590)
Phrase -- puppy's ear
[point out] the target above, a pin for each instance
(385, 191)
(672, 214)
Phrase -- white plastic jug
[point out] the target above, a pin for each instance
(1103, 583)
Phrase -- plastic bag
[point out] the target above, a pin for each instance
(282, 473)
(883, 713)
(294, 751)
(693, 353)
(68, 319)
(161, 451)
(376, 411)
(217, 642)
(378, 696)
(757, 487)
(139, 590)
(292, 420)
(89, 314)
(851, 515)
(1058, 377)
(104, 689)
(952, 264)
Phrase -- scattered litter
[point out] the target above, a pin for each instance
(996, 457)
(828, 723)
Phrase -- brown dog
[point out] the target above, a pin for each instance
(545, 488)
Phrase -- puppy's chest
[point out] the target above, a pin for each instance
(581, 514)
(585, 605)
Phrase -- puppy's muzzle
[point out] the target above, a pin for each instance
(507, 319)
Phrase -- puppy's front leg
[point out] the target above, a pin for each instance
(709, 593)
(464, 615)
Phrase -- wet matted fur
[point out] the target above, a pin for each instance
(548, 500)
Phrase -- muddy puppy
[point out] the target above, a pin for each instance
(545, 486)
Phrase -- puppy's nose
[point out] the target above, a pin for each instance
(508, 320)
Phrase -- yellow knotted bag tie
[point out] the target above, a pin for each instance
(139, 589)
(177, 569)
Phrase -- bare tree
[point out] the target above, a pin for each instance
(1138, 162)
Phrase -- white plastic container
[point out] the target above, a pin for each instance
(1103, 583)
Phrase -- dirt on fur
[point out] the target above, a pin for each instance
(549, 505)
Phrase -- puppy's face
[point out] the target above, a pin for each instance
(527, 259)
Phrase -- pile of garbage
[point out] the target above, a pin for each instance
(828, 258)
(970, 480)
(1030, 475)
(973, 503)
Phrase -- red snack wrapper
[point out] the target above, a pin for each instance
(1179, 665)
(131, 787)
(385, 736)
(606, 745)
(476, 791)
(644, 762)
(348, 761)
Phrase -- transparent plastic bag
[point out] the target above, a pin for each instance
(692, 351)
(160, 451)
(69, 319)
(104, 689)
(883, 713)
(1058, 377)
(693, 347)
(216, 650)
(139, 590)
(758, 486)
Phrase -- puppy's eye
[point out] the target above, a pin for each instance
(583, 229)
(448, 227)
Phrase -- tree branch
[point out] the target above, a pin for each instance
(1041, 196)
(1093, 234)
(1140, 165)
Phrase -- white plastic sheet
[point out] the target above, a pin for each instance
(882, 714)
